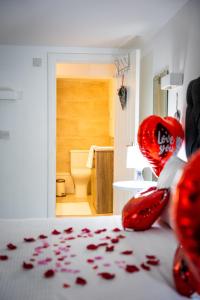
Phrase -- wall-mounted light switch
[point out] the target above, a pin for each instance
(4, 135)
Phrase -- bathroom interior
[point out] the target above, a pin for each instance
(84, 139)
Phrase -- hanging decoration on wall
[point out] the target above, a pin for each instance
(122, 93)
(186, 212)
(158, 139)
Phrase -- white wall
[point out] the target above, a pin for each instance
(176, 46)
(23, 178)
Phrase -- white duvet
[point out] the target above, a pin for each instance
(68, 258)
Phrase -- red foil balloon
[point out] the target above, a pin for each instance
(183, 278)
(158, 139)
(186, 214)
(140, 213)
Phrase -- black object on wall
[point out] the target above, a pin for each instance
(192, 121)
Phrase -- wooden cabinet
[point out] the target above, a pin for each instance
(102, 180)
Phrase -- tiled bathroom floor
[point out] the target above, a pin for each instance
(73, 206)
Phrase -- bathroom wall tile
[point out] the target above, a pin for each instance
(82, 117)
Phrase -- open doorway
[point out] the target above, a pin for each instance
(85, 96)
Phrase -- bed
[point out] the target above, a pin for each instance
(72, 258)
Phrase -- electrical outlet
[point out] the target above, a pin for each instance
(4, 135)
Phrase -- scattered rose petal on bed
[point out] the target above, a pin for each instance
(100, 231)
(145, 267)
(49, 273)
(151, 257)
(45, 245)
(105, 238)
(92, 247)
(110, 248)
(127, 252)
(32, 259)
(42, 237)
(115, 240)
(131, 269)
(80, 281)
(61, 258)
(29, 240)
(44, 261)
(107, 265)
(95, 267)
(3, 257)
(153, 262)
(66, 285)
(55, 232)
(56, 252)
(68, 230)
(27, 266)
(116, 230)
(106, 275)
(67, 263)
(102, 244)
(90, 261)
(11, 246)
(70, 238)
(73, 255)
(86, 230)
(98, 258)
(121, 236)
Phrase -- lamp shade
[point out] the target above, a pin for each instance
(135, 159)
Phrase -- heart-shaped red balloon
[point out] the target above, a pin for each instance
(141, 212)
(186, 214)
(158, 139)
(183, 278)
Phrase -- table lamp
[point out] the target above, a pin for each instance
(135, 160)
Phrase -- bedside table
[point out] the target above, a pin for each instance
(124, 190)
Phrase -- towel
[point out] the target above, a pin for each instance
(93, 148)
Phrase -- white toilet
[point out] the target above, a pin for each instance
(80, 173)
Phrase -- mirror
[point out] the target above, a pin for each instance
(160, 97)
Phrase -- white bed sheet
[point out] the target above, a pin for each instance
(19, 284)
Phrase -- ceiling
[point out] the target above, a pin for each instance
(83, 23)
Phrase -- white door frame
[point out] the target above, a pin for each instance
(87, 56)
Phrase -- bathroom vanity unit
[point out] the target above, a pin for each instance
(102, 180)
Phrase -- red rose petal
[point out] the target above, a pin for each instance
(100, 231)
(95, 267)
(68, 230)
(27, 266)
(49, 273)
(92, 247)
(106, 275)
(153, 262)
(29, 240)
(86, 230)
(127, 252)
(116, 230)
(121, 236)
(110, 248)
(55, 232)
(102, 244)
(90, 261)
(131, 269)
(145, 267)
(11, 246)
(70, 238)
(81, 281)
(66, 285)
(115, 241)
(42, 237)
(3, 257)
(151, 256)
